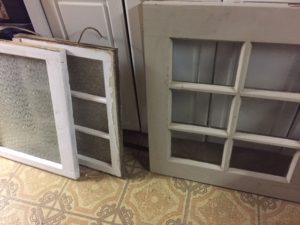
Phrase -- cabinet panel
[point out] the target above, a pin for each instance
(94, 14)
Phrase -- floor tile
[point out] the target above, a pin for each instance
(134, 164)
(15, 214)
(32, 196)
(153, 200)
(93, 190)
(76, 220)
(7, 166)
(221, 206)
(8, 190)
(279, 213)
(34, 184)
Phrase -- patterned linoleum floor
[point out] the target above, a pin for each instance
(32, 196)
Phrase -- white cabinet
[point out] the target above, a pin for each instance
(67, 18)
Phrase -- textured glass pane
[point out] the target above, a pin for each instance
(26, 116)
(90, 114)
(261, 158)
(208, 62)
(197, 147)
(268, 117)
(274, 67)
(94, 147)
(204, 109)
(86, 75)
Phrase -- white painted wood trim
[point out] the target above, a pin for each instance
(61, 103)
(63, 113)
(93, 132)
(88, 97)
(267, 140)
(38, 18)
(233, 115)
(72, 48)
(134, 23)
(34, 161)
(293, 166)
(208, 88)
(113, 116)
(255, 138)
(257, 175)
(227, 151)
(236, 102)
(198, 130)
(189, 12)
(194, 163)
(243, 66)
(96, 164)
(272, 95)
(117, 19)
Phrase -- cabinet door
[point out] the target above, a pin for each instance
(223, 94)
(67, 19)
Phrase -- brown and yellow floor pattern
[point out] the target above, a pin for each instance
(32, 196)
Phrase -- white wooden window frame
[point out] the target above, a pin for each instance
(56, 63)
(230, 22)
(107, 57)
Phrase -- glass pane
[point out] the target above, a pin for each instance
(294, 132)
(203, 109)
(90, 114)
(86, 75)
(261, 158)
(197, 147)
(274, 67)
(26, 117)
(267, 117)
(207, 62)
(94, 147)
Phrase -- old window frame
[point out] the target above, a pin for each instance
(230, 22)
(108, 57)
(56, 64)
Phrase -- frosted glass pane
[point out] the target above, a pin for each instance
(86, 75)
(261, 158)
(197, 147)
(94, 147)
(26, 117)
(268, 117)
(90, 114)
(196, 108)
(208, 62)
(274, 67)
